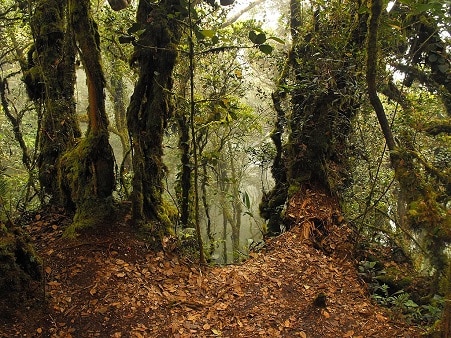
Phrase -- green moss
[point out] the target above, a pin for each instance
(94, 212)
(82, 173)
(19, 262)
(395, 279)
(293, 189)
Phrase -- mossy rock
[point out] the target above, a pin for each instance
(395, 279)
(19, 263)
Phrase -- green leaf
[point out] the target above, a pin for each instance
(266, 49)
(135, 28)
(252, 36)
(364, 9)
(246, 200)
(276, 39)
(410, 303)
(261, 38)
(208, 33)
(433, 57)
(199, 35)
(215, 39)
(258, 39)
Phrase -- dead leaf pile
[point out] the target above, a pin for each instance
(110, 284)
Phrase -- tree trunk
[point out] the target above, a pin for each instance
(323, 103)
(117, 89)
(236, 205)
(184, 184)
(89, 166)
(203, 187)
(150, 108)
(50, 78)
(425, 213)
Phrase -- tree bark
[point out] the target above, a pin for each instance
(88, 168)
(320, 105)
(150, 108)
(50, 78)
(424, 212)
(371, 71)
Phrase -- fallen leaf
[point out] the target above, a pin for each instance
(39, 330)
(102, 309)
(48, 269)
(380, 317)
(302, 334)
(216, 332)
(120, 274)
(348, 334)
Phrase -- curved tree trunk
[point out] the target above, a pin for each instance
(88, 168)
(150, 107)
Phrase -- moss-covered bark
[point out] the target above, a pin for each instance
(150, 107)
(424, 213)
(323, 100)
(88, 168)
(50, 78)
(19, 263)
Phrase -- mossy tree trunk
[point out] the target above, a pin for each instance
(237, 206)
(88, 168)
(150, 107)
(424, 212)
(117, 88)
(50, 78)
(184, 183)
(319, 79)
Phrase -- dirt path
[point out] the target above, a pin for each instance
(113, 285)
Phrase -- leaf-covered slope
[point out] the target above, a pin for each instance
(114, 286)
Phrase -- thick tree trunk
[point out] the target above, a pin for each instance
(89, 166)
(50, 78)
(323, 103)
(150, 107)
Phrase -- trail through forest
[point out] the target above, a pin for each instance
(109, 283)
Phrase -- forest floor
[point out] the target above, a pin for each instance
(108, 283)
